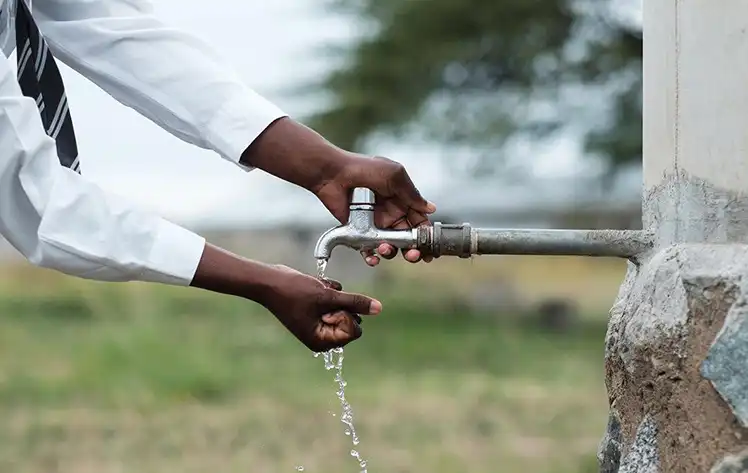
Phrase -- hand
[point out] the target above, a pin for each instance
(295, 153)
(399, 205)
(317, 312)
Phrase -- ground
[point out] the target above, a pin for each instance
(107, 378)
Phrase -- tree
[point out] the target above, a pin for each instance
(488, 73)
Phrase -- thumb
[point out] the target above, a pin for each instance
(407, 192)
(356, 303)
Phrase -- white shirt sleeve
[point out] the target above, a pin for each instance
(57, 219)
(170, 77)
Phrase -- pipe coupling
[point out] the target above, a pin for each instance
(450, 240)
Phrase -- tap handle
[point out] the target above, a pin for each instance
(362, 196)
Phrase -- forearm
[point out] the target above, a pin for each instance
(295, 153)
(223, 272)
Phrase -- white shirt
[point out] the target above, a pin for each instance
(58, 219)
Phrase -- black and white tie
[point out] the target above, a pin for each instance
(40, 79)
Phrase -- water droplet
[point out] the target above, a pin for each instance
(333, 360)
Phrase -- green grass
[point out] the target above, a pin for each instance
(106, 378)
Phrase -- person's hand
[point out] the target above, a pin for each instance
(295, 153)
(317, 312)
(399, 205)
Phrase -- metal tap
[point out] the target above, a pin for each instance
(360, 233)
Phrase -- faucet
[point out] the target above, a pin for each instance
(463, 240)
(361, 234)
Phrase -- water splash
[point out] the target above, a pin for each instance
(334, 361)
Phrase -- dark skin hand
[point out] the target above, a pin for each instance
(297, 154)
(318, 313)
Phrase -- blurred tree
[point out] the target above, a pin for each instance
(486, 73)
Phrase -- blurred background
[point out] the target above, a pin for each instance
(509, 113)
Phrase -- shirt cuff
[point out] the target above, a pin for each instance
(175, 255)
(238, 123)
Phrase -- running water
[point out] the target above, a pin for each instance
(334, 361)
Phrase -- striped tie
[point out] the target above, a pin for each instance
(40, 79)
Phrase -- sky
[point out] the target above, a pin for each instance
(273, 46)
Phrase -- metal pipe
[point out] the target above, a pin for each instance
(463, 241)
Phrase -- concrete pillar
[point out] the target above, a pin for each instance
(677, 343)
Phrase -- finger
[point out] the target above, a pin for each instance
(335, 318)
(418, 220)
(412, 256)
(370, 258)
(332, 284)
(407, 193)
(390, 213)
(357, 303)
(386, 251)
(340, 328)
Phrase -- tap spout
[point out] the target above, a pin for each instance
(360, 233)
(347, 235)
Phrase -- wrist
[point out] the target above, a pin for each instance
(297, 154)
(223, 272)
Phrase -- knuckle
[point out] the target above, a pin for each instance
(399, 170)
(394, 167)
(384, 159)
(359, 300)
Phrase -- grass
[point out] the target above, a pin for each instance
(131, 378)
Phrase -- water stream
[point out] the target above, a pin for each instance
(334, 361)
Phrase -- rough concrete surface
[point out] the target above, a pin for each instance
(733, 464)
(685, 208)
(670, 310)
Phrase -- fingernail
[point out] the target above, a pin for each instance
(430, 207)
(375, 307)
(385, 251)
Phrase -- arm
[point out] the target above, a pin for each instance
(59, 220)
(170, 77)
(177, 81)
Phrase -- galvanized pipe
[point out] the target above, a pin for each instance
(463, 241)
